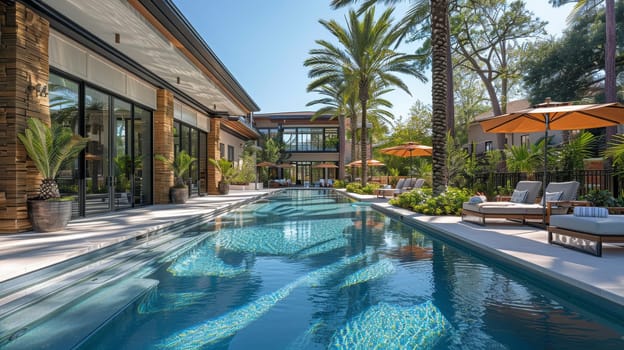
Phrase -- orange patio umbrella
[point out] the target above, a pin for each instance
(325, 166)
(265, 164)
(409, 149)
(568, 117)
(370, 162)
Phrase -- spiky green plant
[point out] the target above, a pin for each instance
(50, 148)
(226, 168)
(180, 165)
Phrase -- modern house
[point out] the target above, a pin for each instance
(308, 144)
(135, 78)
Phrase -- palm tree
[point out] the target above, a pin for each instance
(335, 100)
(439, 59)
(437, 11)
(366, 57)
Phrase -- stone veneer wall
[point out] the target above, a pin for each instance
(23, 62)
(163, 144)
(213, 152)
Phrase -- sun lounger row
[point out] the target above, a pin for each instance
(402, 186)
(558, 199)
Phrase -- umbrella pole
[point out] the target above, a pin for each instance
(411, 165)
(547, 121)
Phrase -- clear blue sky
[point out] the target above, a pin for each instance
(264, 43)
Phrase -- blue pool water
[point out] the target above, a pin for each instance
(305, 269)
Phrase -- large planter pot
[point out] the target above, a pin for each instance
(49, 216)
(179, 195)
(224, 188)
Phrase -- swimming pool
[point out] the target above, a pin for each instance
(307, 269)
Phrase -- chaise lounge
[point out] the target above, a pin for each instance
(402, 186)
(560, 196)
(586, 233)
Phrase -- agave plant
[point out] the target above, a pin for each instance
(50, 148)
(180, 165)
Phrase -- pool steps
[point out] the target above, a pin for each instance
(31, 307)
(30, 300)
(72, 327)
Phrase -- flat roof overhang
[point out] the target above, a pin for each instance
(157, 44)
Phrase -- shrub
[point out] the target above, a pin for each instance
(409, 199)
(340, 184)
(356, 187)
(601, 198)
(422, 201)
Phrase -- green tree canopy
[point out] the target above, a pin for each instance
(572, 67)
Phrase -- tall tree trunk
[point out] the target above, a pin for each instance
(364, 146)
(610, 72)
(439, 35)
(450, 98)
(363, 92)
(342, 140)
(353, 143)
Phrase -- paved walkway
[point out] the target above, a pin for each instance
(27, 252)
(524, 246)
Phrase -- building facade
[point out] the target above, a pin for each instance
(134, 78)
(310, 146)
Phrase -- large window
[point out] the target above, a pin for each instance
(290, 139)
(114, 171)
(187, 138)
(331, 140)
(64, 107)
(230, 154)
(307, 139)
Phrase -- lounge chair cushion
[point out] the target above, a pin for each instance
(569, 189)
(596, 212)
(519, 196)
(611, 225)
(552, 196)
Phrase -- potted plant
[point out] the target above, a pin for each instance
(180, 165)
(50, 148)
(228, 172)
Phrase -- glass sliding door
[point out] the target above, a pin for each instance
(115, 169)
(97, 154)
(304, 173)
(142, 150)
(64, 110)
(121, 155)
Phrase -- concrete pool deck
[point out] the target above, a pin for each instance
(523, 246)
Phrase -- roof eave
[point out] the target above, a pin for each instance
(175, 22)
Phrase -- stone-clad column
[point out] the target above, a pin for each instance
(23, 63)
(163, 144)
